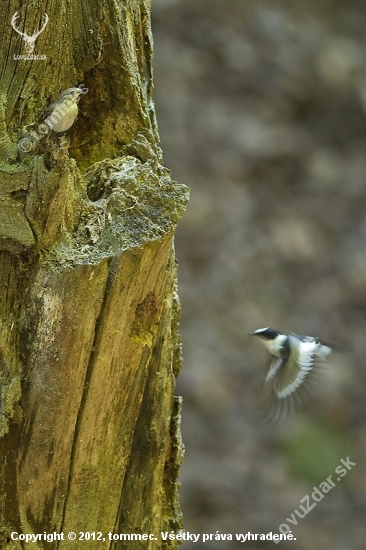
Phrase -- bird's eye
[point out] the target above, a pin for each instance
(72, 92)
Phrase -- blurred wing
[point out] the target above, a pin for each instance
(274, 363)
(292, 380)
(274, 366)
(297, 368)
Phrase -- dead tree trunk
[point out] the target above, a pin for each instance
(89, 348)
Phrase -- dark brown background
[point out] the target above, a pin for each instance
(262, 112)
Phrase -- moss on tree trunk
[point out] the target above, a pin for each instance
(89, 346)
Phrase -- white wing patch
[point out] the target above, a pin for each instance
(300, 363)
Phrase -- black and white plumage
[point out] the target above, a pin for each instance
(293, 362)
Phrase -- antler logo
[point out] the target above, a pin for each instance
(29, 40)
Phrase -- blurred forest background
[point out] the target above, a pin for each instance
(261, 107)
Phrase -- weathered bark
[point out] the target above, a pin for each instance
(89, 346)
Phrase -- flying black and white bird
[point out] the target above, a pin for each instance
(294, 361)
